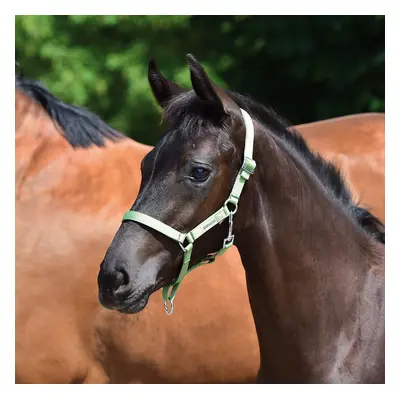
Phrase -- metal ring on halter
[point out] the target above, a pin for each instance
(234, 204)
(171, 302)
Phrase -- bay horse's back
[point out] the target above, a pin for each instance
(356, 144)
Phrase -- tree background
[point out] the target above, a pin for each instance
(306, 67)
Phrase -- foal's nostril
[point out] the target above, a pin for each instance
(123, 277)
(121, 288)
(118, 281)
(113, 287)
(110, 281)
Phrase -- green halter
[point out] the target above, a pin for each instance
(224, 212)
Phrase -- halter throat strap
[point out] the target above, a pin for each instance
(228, 210)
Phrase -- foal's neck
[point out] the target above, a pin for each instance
(300, 250)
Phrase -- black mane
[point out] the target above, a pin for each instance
(181, 109)
(80, 127)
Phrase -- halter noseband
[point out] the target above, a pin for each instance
(224, 212)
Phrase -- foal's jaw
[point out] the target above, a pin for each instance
(133, 307)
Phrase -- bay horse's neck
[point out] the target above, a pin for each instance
(306, 261)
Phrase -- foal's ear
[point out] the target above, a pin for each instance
(162, 88)
(206, 90)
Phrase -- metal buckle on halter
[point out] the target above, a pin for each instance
(228, 241)
(248, 167)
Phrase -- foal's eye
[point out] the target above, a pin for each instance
(199, 174)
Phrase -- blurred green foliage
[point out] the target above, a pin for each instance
(307, 67)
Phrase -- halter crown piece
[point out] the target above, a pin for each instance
(220, 215)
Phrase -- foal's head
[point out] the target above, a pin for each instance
(189, 175)
(185, 178)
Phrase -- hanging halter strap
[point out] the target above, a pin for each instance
(186, 240)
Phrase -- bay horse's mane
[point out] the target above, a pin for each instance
(190, 113)
(80, 127)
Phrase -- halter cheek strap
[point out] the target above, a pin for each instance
(186, 240)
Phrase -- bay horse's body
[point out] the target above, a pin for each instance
(63, 335)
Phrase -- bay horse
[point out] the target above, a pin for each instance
(68, 162)
(313, 259)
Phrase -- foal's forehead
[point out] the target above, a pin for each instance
(188, 137)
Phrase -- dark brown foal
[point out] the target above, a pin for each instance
(314, 259)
